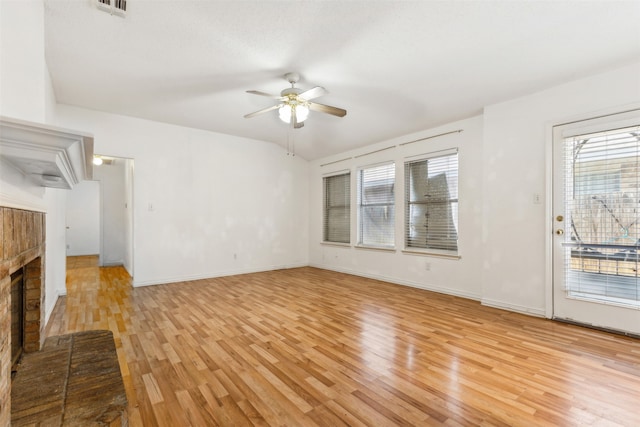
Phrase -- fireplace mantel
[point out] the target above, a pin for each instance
(48, 156)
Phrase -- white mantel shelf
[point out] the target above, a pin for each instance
(47, 155)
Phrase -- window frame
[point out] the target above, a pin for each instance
(360, 206)
(455, 212)
(326, 200)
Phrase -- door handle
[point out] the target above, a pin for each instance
(559, 231)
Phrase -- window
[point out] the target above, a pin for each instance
(337, 208)
(602, 202)
(376, 206)
(431, 197)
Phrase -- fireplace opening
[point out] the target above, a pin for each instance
(17, 318)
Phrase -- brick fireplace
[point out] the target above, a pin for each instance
(22, 237)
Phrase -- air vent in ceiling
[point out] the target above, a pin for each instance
(114, 7)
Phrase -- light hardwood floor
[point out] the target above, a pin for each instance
(307, 347)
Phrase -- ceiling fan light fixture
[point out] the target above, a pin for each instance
(294, 100)
(302, 112)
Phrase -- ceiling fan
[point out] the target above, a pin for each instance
(294, 104)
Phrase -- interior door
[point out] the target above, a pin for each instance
(83, 219)
(596, 206)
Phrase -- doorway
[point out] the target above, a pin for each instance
(100, 214)
(596, 208)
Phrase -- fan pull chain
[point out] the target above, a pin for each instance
(291, 147)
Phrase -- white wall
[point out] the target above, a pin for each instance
(504, 163)
(22, 70)
(56, 260)
(204, 204)
(83, 219)
(453, 276)
(213, 196)
(128, 223)
(55, 256)
(516, 158)
(26, 93)
(22, 89)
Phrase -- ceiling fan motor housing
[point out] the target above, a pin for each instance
(290, 91)
(292, 78)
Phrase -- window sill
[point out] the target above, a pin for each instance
(342, 245)
(375, 248)
(431, 254)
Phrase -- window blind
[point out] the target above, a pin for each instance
(431, 197)
(337, 208)
(376, 206)
(602, 197)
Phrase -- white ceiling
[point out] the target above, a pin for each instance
(397, 67)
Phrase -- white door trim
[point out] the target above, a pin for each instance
(549, 224)
(596, 315)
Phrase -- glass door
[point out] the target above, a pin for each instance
(596, 205)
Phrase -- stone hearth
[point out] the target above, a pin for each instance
(74, 381)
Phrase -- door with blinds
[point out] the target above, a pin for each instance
(596, 208)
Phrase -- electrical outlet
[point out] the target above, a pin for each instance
(427, 266)
(537, 198)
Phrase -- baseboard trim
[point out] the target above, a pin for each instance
(112, 264)
(213, 275)
(412, 284)
(537, 312)
(597, 328)
(47, 315)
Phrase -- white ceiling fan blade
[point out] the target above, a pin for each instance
(268, 95)
(264, 110)
(313, 93)
(314, 106)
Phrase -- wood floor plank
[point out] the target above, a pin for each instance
(307, 347)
